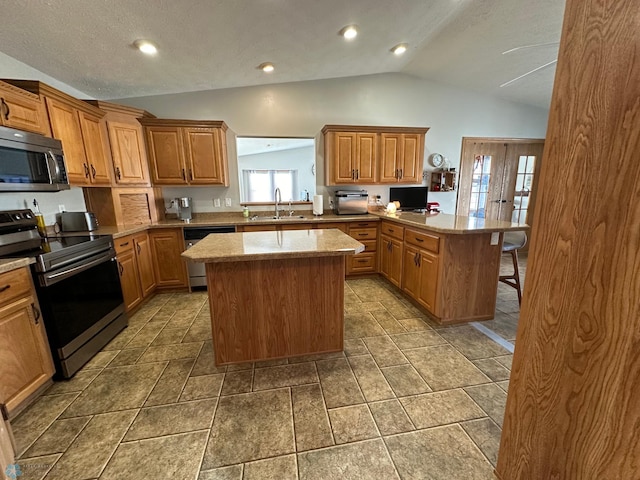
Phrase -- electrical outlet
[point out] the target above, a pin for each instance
(216, 202)
(227, 202)
(61, 208)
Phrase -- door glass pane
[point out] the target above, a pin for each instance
(480, 185)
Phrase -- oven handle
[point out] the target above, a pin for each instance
(53, 278)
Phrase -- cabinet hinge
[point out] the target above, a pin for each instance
(5, 413)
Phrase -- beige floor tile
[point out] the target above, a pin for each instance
(358, 325)
(172, 419)
(204, 386)
(36, 468)
(148, 459)
(250, 426)
(310, 418)
(170, 384)
(146, 335)
(89, 453)
(205, 363)
(443, 367)
(388, 322)
(504, 385)
(440, 408)
(284, 376)
(385, 351)
(417, 339)
(372, 383)
(444, 453)
(33, 421)
(351, 424)
(390, 417)
(472, 343)
(237, 382)
(79, 382)
(315, 357)
(124, 337)
(278, 468)
(354, 346)
(238, 367)
(353, 461)
(198, 332)
(118, 388)
(233, 472)
(58, 437)
(363, 307)
(415, 324)
(169, 336)
(100, 360)
(492, 369)
(339, 385)
(504, 324)
(128, 356)
(404, 380)
(486, 435)
(505, 361)
(491, 398)
(162, 353)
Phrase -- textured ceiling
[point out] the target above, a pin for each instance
(212, 44)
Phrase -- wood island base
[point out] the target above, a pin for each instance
(276, 308)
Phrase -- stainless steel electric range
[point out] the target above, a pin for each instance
(78, 286)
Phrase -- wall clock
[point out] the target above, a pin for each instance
(437, 160)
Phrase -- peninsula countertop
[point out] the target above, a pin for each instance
(451, 224)
(234, 247)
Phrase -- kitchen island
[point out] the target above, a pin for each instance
(275, 294)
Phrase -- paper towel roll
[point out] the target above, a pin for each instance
(317, 205)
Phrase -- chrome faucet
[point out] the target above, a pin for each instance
(278, 199)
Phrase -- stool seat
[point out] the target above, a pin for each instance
(512, 242)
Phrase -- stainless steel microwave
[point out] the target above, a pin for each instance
(31, 163)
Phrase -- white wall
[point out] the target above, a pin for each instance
(301, 109)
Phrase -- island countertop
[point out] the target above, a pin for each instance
(245, 246)
(451, 224)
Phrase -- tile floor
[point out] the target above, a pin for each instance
(407, 399)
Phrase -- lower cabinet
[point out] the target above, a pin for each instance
(367, 234)
(420, 271)
(391, 259)
(135, 263)
(167, 245)
(25, 358)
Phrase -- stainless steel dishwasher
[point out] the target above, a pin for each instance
(192, 235)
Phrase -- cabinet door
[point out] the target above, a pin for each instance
(428, 280)
(205, 158)
(129, 279)
(25, 361)
(23, 112)
(391, 259)
(168, 265)
(366, 157)
(65, 126)
(411, 271)
(390, 153)
(166, 155)
(145, 263)
(128, 153)
(95, 146)
(410, 165)
(342, 157)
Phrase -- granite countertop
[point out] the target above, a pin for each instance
(8, 264)
(452, 224)
(233, 247)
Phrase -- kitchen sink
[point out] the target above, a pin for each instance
(282, 218)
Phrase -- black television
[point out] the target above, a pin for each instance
(410, 198)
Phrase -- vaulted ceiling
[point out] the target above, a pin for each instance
(213, 44)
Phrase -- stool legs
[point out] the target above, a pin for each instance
(513, 280)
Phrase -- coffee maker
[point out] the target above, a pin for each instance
(184, 205)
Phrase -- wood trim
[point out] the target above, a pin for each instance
(502, 140)
(374, 129)
(122, 109)
(40, 88)
(19, 91)
(168, 122)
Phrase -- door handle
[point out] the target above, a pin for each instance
(6, 109)
(357, 173)
(353, 174)
(118, 172)
(184, 175)
(120, 268)
(86, 170)
(6, 287)
(401, 174)
(138, 248)
(190, 175)
(93, 171)
(397, 174)
(36, 314)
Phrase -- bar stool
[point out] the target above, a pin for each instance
(513, 241)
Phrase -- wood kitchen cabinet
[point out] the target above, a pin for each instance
(420, 276)
(22, 110)
(373, 155)
(185, 152)
(391, 248)
(25, 359)
(365, 232)
(135, 263)
(167, 245)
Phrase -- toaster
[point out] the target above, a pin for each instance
(351, 202)
(77, 221)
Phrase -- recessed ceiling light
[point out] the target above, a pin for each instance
(349, 32)
(399, 49)
(145, 47)
(267, 67)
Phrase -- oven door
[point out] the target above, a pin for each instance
(82, 308)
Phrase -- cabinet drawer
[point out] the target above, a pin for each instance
(369, 245)
(363, 233)
(339, 225)
(14, 284)
(123, 244)
(424, 240)
(363, 225)
(392, 229)
(362, 262)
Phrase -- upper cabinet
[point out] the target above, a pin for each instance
(187, 152)
(371, 155)
(81, 129)
(22, 110)
(126, 139)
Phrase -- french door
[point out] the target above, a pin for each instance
(498, 178)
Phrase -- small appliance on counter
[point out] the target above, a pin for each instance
(77, 222)
(184, 205)
(351, 202)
